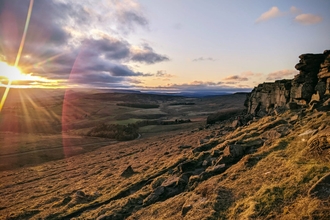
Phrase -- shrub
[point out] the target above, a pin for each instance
(222, 115)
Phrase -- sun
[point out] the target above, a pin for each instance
(10, 72)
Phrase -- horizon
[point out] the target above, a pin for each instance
(135, 45)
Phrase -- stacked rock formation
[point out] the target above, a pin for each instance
(323, 85)
(311, 86)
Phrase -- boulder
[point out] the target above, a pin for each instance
(213, 170)
(185, 209)
(319, 143)
(231, 154)
(187, 166)
(235, 123)
(271, 135)
(321, 189)
(170, 187)
(184, 146)
(127, 172)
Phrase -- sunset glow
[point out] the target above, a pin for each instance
(13, 77)
(10, 72)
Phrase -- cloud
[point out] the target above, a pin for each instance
(271, 13)
(305, 19)
(308, 19)
(281, 74)
(247, 74)
(236, 78)
(163, 73)
(203, 59)
(295, 10)
(64, 41)
(202, 86)
(110, 47)
(147, 55)
(128, 15)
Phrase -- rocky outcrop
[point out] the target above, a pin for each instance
(310, 86)
(268, 96)
(307, 82)
(323, 85)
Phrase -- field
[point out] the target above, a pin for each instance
(44, 125)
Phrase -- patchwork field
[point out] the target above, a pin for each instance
(37, 126)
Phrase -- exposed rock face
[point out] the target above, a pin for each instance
(303, 84)
(324, 75)
(310, 86)
(268, 95)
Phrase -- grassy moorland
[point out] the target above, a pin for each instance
(272, 168)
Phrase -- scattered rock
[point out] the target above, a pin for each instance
(185, 209)
(216, 153)
(309, 132)
(234, 151)
(236, 123)
(127, 172)
(216, 169)
(321, 189)
(271, 135)
(319, 144)
(193, 179)
(170, 187)
(187, 166)
(294, 118)
(154, 196)
(211, 171)
(231, 154)
(205, 147)
(203, 141)
(322, 126)
(80, 194)
(116, 216)
(252, 143)
(184, 146)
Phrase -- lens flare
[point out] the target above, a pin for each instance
(14, 71)
(10, 72)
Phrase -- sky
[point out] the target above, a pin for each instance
(163, 45)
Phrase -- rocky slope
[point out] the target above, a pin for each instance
(308, 88)
(273, 167)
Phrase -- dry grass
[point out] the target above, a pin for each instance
(270, 182)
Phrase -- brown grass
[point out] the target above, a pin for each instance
(269, 182)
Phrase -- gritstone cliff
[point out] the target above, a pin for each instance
(309, 88)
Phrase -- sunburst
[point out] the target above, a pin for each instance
(10, 72)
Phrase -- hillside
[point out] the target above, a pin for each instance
(272, 163)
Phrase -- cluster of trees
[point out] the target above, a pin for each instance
(222, 115)
(183, 103)
(159, 122)
(138, 105)
(115, 131)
